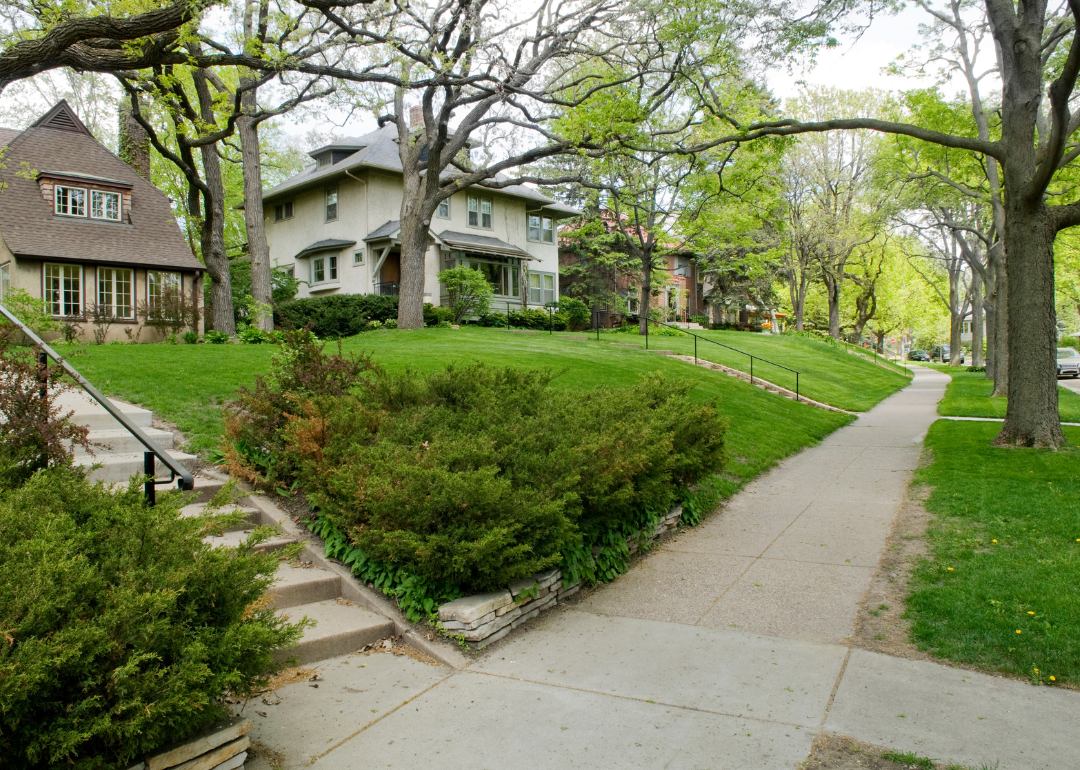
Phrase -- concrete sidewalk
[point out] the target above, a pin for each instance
(726, 648)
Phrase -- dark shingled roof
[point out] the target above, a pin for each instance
(328, 244)
(380, 151)
(482, 244)
(59, 142)
(7, 134)
(384, 231)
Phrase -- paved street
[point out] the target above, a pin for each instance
(726, 648)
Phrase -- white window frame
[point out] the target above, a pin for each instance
(326, 203)
(443, 204)
(358, 258)
(318, 264)
(476, 213)
(62, 274)
(545, 290)
(328, 263)
(5, 280)
(107, 276)
(543, 234)
(58, 196)
(156, 280)
(105, 195)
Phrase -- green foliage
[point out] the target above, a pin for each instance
(252, 335)
(998, 588)
(968, 395)
(468, 290)
(123, 630)
(191, 338)
(475, 476)
(35, 313)
(418, 598)
(283, 287)
(433, 316)
(216, 338)
(575, 311)
(338, 315)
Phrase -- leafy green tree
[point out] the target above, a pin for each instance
(468, 290)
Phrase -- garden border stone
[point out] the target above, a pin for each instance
(481, 619)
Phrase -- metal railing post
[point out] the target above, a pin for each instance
(796, 387)
(150, 487)
(43, 374)
(751, 370)
(695, 350)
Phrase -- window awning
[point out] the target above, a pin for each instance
(330, 244)
(482, 244)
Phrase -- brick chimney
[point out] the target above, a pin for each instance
(134, 144)
(416, 117)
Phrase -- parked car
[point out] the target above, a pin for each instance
(1068, 363)
(942, 353)
(918, 355)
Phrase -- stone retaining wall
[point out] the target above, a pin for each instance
(223, 747)
(486, 618)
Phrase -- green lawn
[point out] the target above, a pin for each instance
(827, 373)
(968, 395)
(188, 384)
(999, 589)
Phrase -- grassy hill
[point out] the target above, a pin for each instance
(189, 384)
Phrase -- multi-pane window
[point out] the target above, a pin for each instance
(5, 280)
(283, 211)
(331, 203)
(479, 212)
(324, 269)
(104, 205)
(70, 201)
(358, 258)
(444, 209)
(503, 278)
(541, 229)
(162, 290)
(541, 288)
(63, 289)
(114, 292)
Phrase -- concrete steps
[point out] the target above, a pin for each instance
(300, 589)
(340, 627)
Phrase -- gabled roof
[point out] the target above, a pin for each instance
(388, 230)
(8, 134)
(380, 151)
(58, 141)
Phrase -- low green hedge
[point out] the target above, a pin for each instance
(121, 630)
(473, 476)
(338, 315)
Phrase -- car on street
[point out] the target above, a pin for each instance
(918, 355)
(1068, 363)
(941, 353)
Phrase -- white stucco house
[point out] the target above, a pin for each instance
(335, 225)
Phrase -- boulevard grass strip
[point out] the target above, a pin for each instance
(188, 384)
(999, 588)
(968, 395)
(827, 373)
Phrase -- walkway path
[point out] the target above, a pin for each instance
(725, 649)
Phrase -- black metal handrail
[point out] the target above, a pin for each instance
(390, 288)
(721, 344)
(185, 482)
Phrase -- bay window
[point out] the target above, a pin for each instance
(324, 269)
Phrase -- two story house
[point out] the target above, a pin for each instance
(335, 225)
(82, 230)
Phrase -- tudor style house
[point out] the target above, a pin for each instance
(82, 230)
(335, 225)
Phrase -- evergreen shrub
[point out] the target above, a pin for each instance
(338, 315)
(122, 630)
(473, 476)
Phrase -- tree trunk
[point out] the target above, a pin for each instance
(977, 320)
(832, 291)
(956, 318)
(254, 222)
(1031, 418)
(213, 225)
(414, 246)
(646, 296)
(1000, 373)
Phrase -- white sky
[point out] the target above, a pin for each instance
(858, 64)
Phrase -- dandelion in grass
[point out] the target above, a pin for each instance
(996, 541)
(1030, 612)
(1053, 679)
(950, 569)
(1019, 631)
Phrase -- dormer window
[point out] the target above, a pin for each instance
(324, 160)
(105, 205)
(70, 201)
